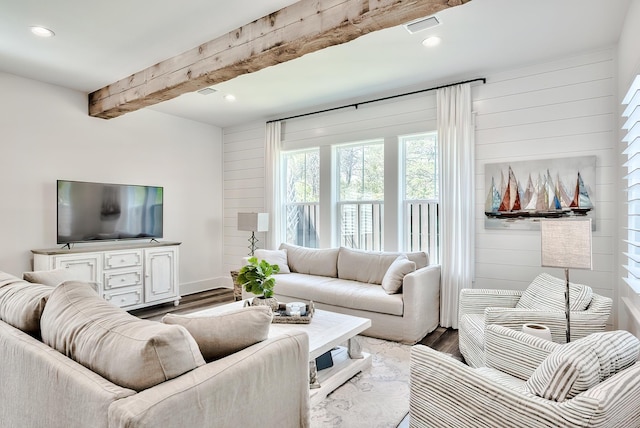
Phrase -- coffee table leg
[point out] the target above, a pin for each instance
(355, 350)
(313, 375)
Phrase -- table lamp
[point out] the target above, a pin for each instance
(253, 222)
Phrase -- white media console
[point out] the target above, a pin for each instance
(128, 275)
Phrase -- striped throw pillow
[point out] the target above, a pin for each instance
(571, 369)
(546, 293)
(616, 351)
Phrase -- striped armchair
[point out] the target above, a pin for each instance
(529, 383)
(542, 302)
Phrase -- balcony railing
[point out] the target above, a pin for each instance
(362, 226)
(421, 228)
(302, 224)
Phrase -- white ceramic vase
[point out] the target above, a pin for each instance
(537, 330)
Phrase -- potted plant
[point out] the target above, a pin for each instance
(257, 278)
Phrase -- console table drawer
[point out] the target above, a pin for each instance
(122, 279)
(124, 298)
(122, 259)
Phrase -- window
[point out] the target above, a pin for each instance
(420, 202)
(334, 195)
(301, 199)
(360, 169)
(632, 139)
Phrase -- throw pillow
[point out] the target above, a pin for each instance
(224, 334)
(616, 351)
(126, 350)
(22, 303)
(546, 293)
(392, 280)
(274, 257)
(52, 277)
(566, 372)
(312, 261)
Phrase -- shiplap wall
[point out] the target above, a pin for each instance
(243, 187)
(557, 109)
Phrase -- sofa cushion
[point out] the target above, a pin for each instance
(51, 277)
(274, 257)
(371, 266)
(130, 352)
(546, 292)
(312, 261)
(22, 303)
(566, 372)
(339, 292)
(224, 334)
(392, 280)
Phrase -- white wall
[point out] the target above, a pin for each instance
(48, 135)
(558, 109)
(629, 67)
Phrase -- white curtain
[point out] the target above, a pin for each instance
(272, 205)
(457, 195)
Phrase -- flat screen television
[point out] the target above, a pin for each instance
(100, 211)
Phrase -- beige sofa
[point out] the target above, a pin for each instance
(134, 373)
(355, 282)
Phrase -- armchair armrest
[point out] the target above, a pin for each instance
(474, 301)
(583, 323)
(514, 352)
(445, 392)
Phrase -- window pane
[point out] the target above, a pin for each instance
(361, 195)
(303, 176)
(421, 208)
(420, 161)
(302, 193)
(361, 169)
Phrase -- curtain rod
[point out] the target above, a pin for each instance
(483, 79)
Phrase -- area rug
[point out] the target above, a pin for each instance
(375, 398)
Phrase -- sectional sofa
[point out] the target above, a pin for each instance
(69, 359)
(399, 292)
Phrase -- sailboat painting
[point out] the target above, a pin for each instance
(519, 194)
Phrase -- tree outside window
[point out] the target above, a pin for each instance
(302, 195)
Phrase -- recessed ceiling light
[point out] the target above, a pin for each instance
(229, 98)
(431, 41)
(42, 31)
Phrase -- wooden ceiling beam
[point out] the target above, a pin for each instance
(301, 28)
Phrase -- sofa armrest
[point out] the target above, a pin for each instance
(445, 392)
(474, 301)
(231, 391)
(421, 292)
(514, 352)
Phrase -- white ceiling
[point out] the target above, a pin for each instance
(98, 43)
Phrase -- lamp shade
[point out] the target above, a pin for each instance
(566, 243)
(253, 222)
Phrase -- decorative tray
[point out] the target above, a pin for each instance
(280, 316)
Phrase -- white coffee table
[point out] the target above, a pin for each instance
(327, 331)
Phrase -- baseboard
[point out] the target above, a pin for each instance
(207, 284)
